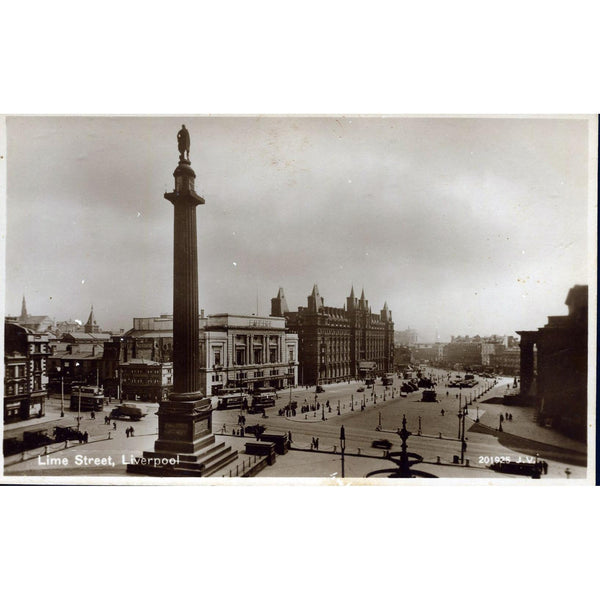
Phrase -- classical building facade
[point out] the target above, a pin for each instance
(558, 387)
(25, 374)
(248, 352)
(338, 344)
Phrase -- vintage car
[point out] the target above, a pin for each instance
(384, 444)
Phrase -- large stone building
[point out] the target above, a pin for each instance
(236, 351)
(506, 361)
(146, 380)
(558, 388)
(247, 352)
(338, 344)
(25, 374)
(406, 337)
(428, 353)
(150, 338)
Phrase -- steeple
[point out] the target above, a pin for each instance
(23, 308)
(91, 326)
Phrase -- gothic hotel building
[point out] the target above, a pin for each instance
(338, 344)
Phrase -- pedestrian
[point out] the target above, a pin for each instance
(290, 436)
(127, 432)
(316, 443)
(443, 412)
(93, 415)
(131, 431)
(114, 425)
(85, 437)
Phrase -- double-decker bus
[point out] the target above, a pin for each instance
(387, 379)
(86, 397)
(236, 400)
(263, 397)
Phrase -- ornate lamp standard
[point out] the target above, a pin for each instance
(404, 435)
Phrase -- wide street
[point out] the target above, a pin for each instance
(437, 441)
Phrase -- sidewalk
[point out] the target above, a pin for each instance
(351, 404)
(523, 425)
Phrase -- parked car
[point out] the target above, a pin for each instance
(360, 389)
(62, 434)
(319, 389)
(384, 444)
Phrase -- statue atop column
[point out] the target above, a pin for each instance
(183, 143)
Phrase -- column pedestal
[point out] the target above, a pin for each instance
(186, 445)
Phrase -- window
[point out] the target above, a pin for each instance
(240, 356)
(257, 356)
(217, 354)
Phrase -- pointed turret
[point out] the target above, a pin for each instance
(315, 302)
(386, 313)
(279, 304)
(351, 300)
(23, 309)
(363, 304)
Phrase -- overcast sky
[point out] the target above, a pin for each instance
(463, 225)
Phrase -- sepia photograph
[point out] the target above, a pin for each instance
(382, 299)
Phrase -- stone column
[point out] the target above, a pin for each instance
(186, 445)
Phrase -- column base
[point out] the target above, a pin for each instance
(186, 446)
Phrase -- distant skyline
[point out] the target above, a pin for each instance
(463, 225)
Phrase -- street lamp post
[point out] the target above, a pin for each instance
(291, 382)
(342, 446)
(62, 392)
(79, 409)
